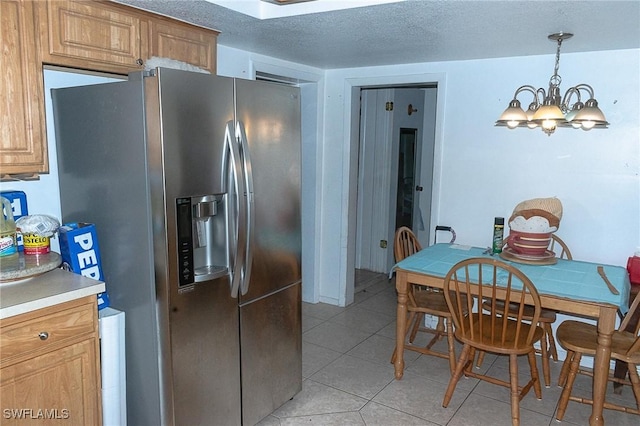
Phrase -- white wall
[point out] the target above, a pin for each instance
(483, 171)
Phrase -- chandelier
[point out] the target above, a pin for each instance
(549, 110)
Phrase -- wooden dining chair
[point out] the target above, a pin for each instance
(547, 317)
(423, 300)
(488, 331)
(560, 248)
(580, 338)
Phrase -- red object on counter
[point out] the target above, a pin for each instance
(633, 267)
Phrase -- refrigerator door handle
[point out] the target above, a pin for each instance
(250, 212)
(239, 234)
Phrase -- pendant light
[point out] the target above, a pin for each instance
(549, 110)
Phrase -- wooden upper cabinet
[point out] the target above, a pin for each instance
(23, 149)
(92, 35)
(183, 42)
(111, 37)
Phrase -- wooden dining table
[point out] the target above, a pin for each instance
(568, 286)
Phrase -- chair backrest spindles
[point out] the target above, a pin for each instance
(493, 281)
(406, 243)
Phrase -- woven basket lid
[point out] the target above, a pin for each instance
(549, 208)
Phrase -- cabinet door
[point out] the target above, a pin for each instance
(23, 148)
(185, 43)
(92, 35)
(62, 385)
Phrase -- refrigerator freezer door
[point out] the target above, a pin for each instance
(206, 356)
(271, 341)
(199, 326)
(194, 111)
(270, 114)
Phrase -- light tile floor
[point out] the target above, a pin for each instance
(348, 378)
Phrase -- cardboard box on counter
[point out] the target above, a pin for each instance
(80, 253)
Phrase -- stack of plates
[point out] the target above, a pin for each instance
(548, 258)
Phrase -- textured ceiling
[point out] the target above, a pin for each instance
(417, 30)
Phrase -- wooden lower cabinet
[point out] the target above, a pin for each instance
(50, 366)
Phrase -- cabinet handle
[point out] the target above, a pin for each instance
(139, 62)
(43, 335)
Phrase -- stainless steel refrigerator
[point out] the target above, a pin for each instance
(193, 183)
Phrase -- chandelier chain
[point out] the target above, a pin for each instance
(555, 78)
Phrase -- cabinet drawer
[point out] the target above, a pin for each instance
(45, 331)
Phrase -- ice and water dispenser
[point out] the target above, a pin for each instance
(202, 238)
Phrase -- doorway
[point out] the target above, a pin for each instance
(395, 163)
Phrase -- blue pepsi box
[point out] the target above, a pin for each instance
(18, 200)
(80, 253)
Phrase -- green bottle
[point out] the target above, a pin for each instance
(498, 234)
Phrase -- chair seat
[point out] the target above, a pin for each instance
(581, 337)
(492, 338)
(546, 315)
(434, 303)
(431, 302)
(547, 343)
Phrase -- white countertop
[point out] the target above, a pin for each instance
(48, 289)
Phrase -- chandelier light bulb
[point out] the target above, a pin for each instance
(548, 112)
(574, 111)
(591, 116)
(512, 116)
